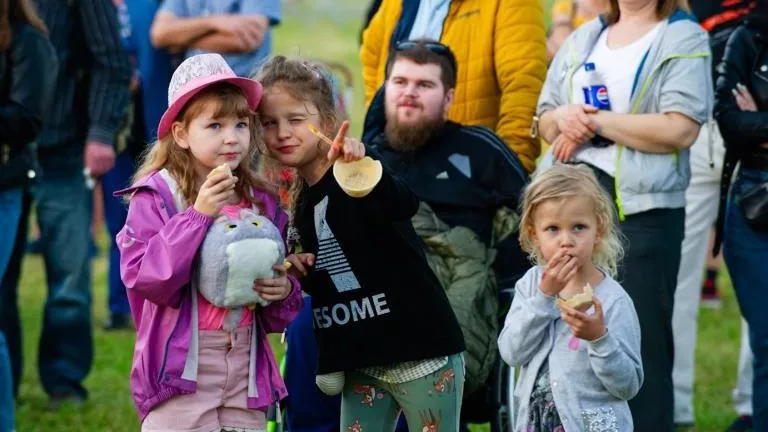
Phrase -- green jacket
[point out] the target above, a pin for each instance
(462, 263)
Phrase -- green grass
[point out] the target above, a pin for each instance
(328, 32)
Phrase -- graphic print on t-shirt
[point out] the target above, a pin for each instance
(330, 257)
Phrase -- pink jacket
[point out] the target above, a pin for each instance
(157, 251)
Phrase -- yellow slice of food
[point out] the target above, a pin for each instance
(581, 301)
(223, 168)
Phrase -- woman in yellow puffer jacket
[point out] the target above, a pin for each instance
(500, 47)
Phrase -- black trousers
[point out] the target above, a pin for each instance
(652, 241)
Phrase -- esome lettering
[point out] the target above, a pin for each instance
(343, 313)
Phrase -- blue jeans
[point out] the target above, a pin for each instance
(115, 213)
(10, 214)
(66, 344)
(744, 250)
(6, 388)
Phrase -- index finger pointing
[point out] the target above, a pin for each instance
(341, 135)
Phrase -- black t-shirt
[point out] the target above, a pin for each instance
(375, 299)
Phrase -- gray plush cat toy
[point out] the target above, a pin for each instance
(238, 249)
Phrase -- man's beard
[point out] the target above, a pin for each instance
(412, 136)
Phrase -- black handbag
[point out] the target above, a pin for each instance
(21, 169)
(754, 207)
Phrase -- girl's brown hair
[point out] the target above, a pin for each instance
(309, 83)
(664, 9)
(567, 181)
(17, 11)
(166, 153)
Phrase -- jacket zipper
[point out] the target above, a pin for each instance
(165, 350)
(168, 215)
(275, 394)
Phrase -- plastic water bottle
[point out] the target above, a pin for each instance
(596, 94)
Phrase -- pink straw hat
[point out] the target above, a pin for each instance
(195, 74)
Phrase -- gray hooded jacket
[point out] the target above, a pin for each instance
(674, 76)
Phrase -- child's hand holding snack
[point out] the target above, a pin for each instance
(583, 326)
(218, 188)
(299, 264)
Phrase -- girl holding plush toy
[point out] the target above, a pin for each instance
(202, 259)
(578, 368)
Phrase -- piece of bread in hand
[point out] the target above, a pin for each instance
(223, 168)
(581, 301)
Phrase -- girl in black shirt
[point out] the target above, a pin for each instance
(380, 315)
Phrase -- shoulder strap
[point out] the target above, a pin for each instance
(7, 71)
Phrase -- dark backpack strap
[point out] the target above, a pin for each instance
(375, 117)
(404, 25)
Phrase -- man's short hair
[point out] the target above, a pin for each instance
(426, 51)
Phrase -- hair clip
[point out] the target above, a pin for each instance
(312, 69)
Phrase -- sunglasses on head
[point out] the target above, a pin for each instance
(435, 47)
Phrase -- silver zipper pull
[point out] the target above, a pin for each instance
(278, 417)
(535, 127)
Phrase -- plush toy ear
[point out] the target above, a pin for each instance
(247, 214)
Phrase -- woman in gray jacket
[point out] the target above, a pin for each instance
(626, 95)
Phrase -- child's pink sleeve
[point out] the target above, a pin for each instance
(156, 256)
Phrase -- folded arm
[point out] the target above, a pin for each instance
(175, 33)
(648, 133)
(233, 42)
(739, 128)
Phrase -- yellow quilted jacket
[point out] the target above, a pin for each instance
(500, 47)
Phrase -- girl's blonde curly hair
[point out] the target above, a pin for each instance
(564, 181)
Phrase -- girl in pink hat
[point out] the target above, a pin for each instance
(202, 255)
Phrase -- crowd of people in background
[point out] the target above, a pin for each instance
(618, 148)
